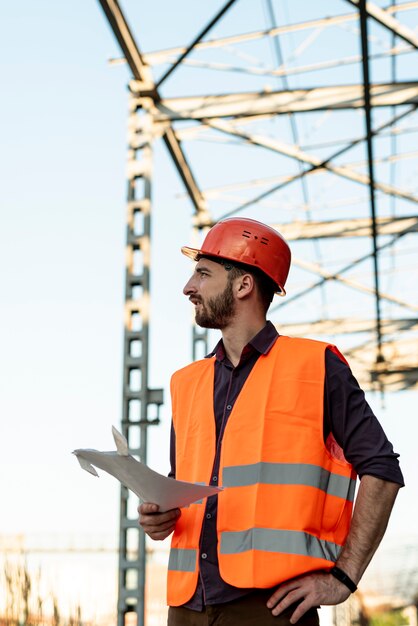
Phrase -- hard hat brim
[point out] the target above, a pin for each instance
(192, 253)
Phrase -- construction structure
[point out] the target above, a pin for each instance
(302, 115)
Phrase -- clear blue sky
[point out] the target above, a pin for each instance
(63, 153)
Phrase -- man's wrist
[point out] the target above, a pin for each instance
(344, 578)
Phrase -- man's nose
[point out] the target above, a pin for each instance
(189, 287)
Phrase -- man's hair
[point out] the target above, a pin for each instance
(266, 287)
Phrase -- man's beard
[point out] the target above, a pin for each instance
(218, 311)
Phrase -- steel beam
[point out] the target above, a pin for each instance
(341, 271)
(317, 163)
(145, 86)
(200, 336)
(360, 227)
(369, 144)
(280, 72)
(164, 56)
(397, 371)
(318, 166)
(385, 19)
(127, 43)
(288, 70)
(177, 154)
(340, 97)
(137, 397)
(343, 326)
(196, 40)
(326, 275)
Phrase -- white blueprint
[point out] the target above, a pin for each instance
(147, 484)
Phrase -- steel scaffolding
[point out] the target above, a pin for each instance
(348, 240)
(138, 398)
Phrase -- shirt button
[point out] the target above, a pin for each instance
(214, 478)
(204, 555)
(208, 516)
(229, 407)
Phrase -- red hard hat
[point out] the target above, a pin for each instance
(249, 242)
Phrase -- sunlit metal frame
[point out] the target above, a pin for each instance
(393, 364)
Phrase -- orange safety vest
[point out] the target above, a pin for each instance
(287, 501)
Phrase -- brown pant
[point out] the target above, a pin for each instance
(250, 610)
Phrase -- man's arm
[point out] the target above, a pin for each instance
(373, 506)
(372, 510)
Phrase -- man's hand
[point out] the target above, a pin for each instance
(308, 591)
(157, 525)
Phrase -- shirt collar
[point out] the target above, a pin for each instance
(262, 342)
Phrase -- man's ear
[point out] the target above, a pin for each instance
(245, 285)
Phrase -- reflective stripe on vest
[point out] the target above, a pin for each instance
(279, 541)
(290, 474)
(182, 560)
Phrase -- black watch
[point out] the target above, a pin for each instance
(344, 578)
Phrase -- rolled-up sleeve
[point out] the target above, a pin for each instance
(354, 425)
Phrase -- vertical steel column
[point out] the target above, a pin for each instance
(200, 339)
(200, 346)
(370, 158)
(137, 397)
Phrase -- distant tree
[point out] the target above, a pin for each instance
(389, 618)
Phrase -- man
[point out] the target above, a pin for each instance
(283, 427)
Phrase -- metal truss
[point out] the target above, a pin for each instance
(303, 115)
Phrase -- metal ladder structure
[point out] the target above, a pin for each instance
(138, 398)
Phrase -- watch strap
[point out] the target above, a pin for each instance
(344, 578)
